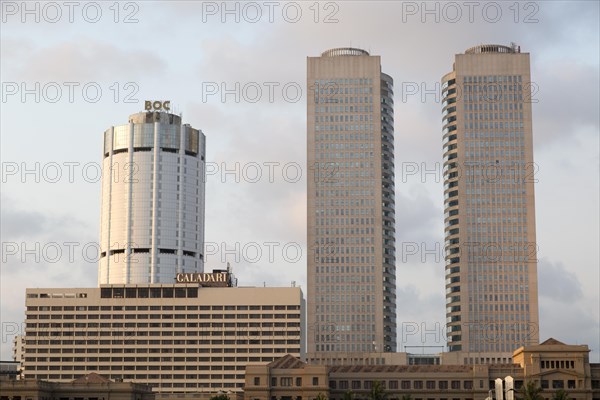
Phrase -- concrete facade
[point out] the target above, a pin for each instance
(351, 273)
(490, 238)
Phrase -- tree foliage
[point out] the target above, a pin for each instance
(377, 392)
(530, 391)
(560, 395)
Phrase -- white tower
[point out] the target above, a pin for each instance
(152, 218)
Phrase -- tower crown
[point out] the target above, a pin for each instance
(344, 51)
(494, 48)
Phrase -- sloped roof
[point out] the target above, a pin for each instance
(552, 342)
(91, 378)
(287, 362)
(401, 368)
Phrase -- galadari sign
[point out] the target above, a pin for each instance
(215, 279)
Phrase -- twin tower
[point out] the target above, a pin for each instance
(153, 190)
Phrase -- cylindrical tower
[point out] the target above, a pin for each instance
(152, 217)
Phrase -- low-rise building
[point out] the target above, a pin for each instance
(87, 387)
(551, 365)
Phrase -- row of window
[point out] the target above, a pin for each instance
(341, 109)
(496, 97)
(329, 232)
(129, 342)
(154, 292)
(559, 384)
(340, 156)
(204, 380)
(345, 183)
(345, 118)
(161, 316)
(286, 381)
(344, 99)
(161, 366)
(562, 364)
(404, 384)
(486, 116)
(164, 350)
(160, 324)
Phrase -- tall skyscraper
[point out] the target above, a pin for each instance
(490, 243)
(351, 223)
(152, 218)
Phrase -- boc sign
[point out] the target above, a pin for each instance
(157, 105)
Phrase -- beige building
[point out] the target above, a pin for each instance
(19, 351)
(178, 338)
(351, 275)
(490, 241)
(551, 365)
(88, 387)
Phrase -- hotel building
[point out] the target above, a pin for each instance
(179, 338)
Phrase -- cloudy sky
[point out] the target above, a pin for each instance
(70, 73)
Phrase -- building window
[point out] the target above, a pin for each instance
(405, 384)
(256, 381)
(286, 381)
(455, 384)
(545, 384)
(315, 381)
(571, 384)
(298, 381)
(558, 384)
(443, 385)
(356, 385)
(273, 381)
